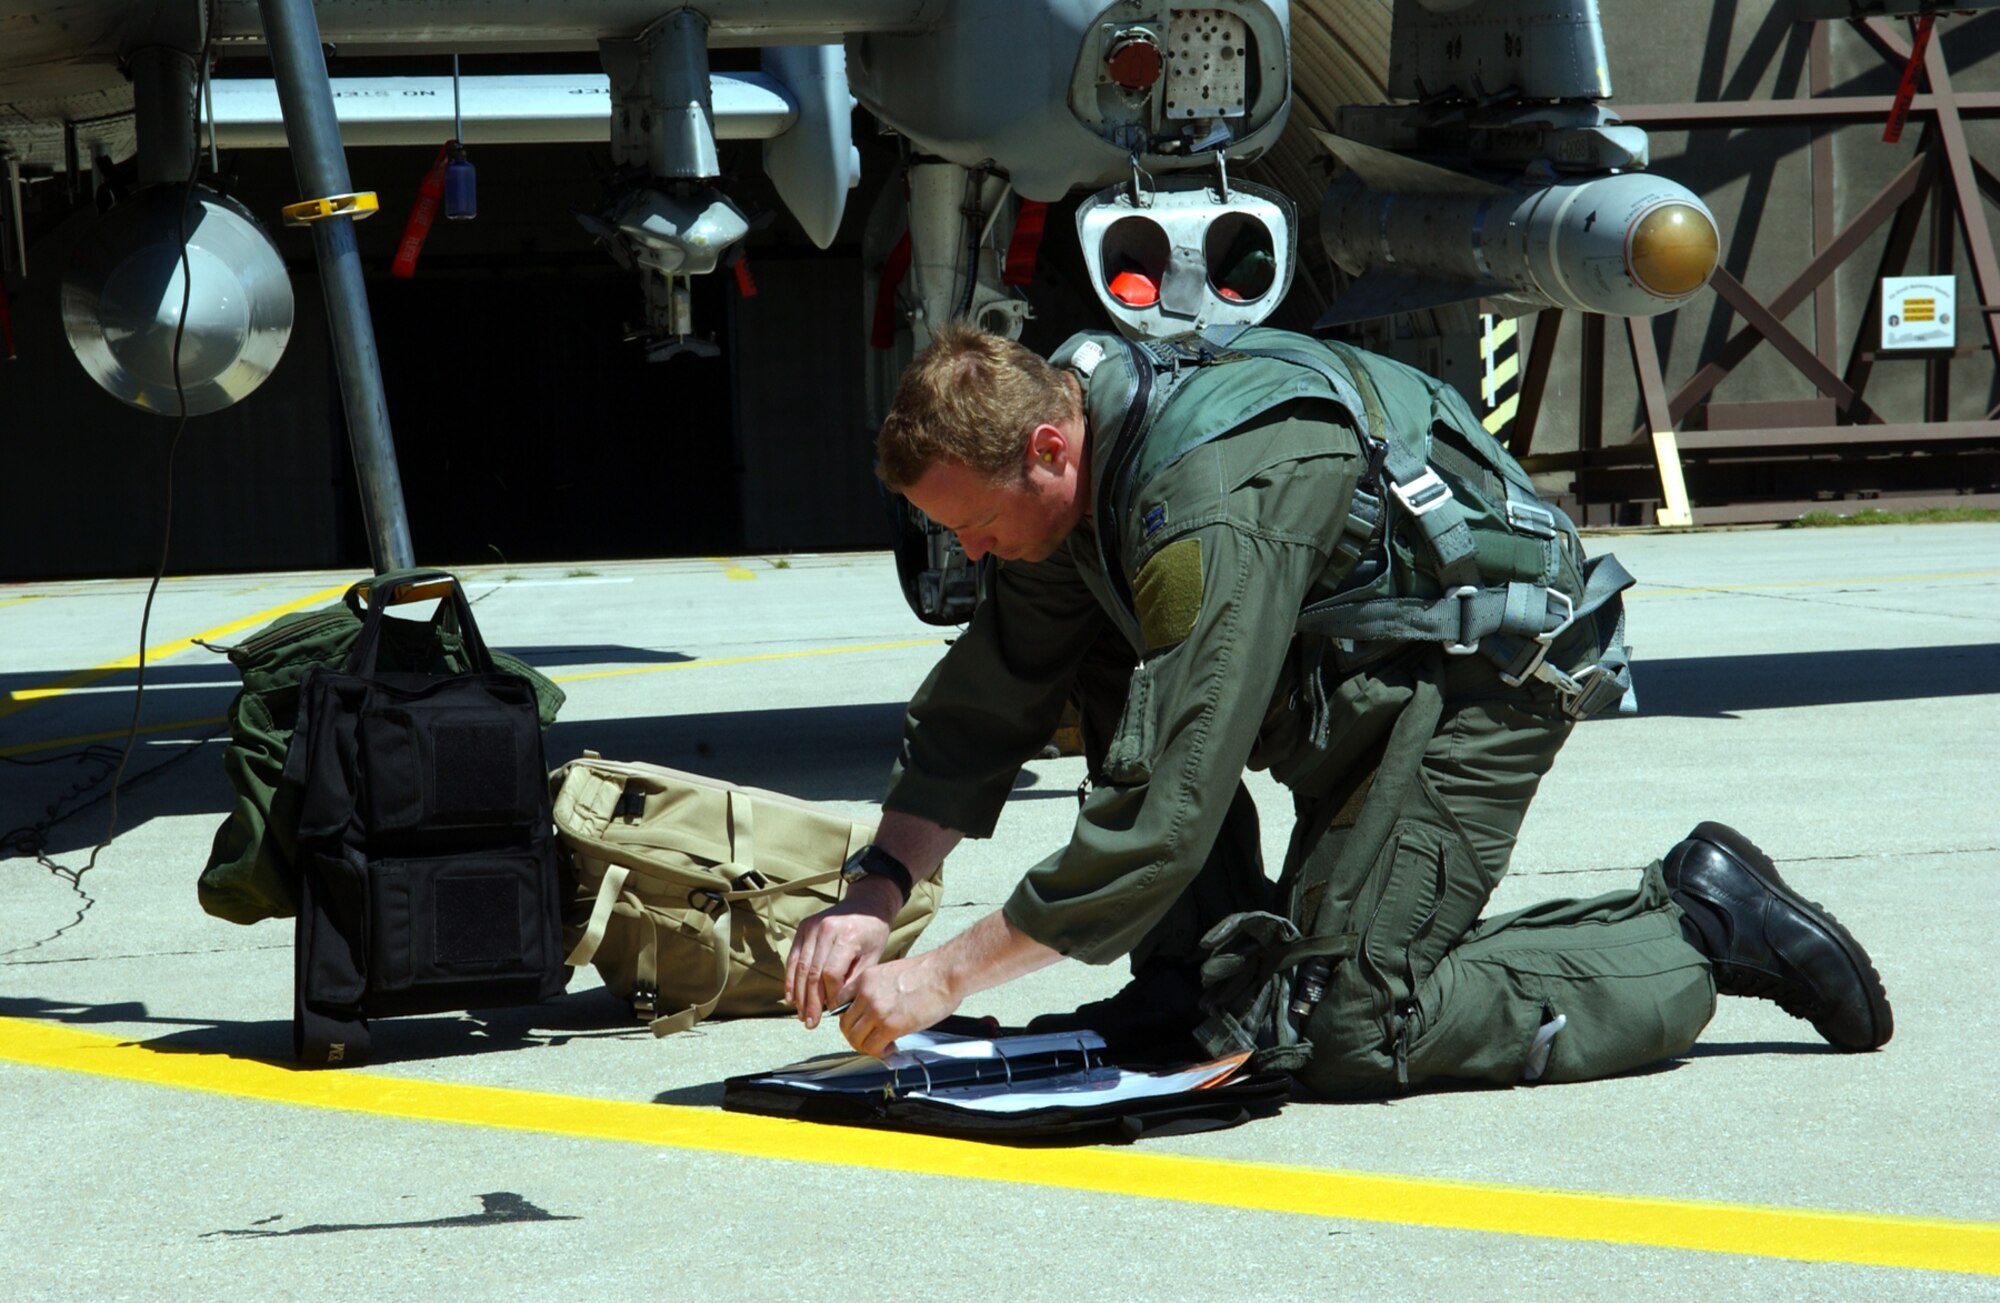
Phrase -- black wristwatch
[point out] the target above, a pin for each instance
(872, 861)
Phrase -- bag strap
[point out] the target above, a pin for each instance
(716, 935)
(380, 593)
(609, 891)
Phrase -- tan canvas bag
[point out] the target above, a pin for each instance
(694, 886)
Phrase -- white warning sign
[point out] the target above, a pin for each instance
(1919, 312)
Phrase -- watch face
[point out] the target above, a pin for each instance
(854, 869)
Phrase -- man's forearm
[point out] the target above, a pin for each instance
(918, 842)
(988, 953)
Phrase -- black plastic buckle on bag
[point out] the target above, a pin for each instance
(631, 804)
(645, 1002)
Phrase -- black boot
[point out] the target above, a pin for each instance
(1766, 940)
(1150, 1020)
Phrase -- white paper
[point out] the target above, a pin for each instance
(858, 1074)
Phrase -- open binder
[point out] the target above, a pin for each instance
(1011, 1087)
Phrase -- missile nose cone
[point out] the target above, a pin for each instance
(1672, 250)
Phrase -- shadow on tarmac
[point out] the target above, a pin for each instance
(843, 753)
(496, 1208)
(1730, 1049)
(579, 1015)
(1719, 687)
(217, 674)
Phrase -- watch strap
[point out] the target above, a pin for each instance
(871, 860)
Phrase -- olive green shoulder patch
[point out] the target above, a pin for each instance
(1167, 593)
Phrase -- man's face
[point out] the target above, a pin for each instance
(1019, 520)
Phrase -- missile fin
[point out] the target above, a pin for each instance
(1393, 173)
(1379, 293)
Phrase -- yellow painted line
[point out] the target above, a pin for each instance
(22, 699)
(733, 569)
(749, 660)
(116, 734)
(1863, 1239)
(16, 601)
(1684, 590)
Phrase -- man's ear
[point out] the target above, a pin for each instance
(1047, 447)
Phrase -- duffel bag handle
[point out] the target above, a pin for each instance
(414, 585)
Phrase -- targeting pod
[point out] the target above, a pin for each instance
(1183, 253)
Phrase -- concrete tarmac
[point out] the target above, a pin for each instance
(1833, 693)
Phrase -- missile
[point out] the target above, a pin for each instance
(1417, 236)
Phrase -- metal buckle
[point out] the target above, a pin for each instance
(1464, 594)
(1571, 686)
(1423, 494)
(1543, 641)
(1531, 518)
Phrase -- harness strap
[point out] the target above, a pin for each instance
(1513, 606)
(1408, 474)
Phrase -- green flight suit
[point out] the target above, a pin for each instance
(1405, 835)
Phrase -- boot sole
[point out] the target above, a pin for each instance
(1752, 857)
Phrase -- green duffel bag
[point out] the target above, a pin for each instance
(249, 874)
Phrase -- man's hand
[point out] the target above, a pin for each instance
(910, 994)
(836, 945)
(894, 998)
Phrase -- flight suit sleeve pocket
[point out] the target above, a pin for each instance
(1129, 758)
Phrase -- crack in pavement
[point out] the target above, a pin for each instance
(149, 954)
(1780, 859)
(1689, 590)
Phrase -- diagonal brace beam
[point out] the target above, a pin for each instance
(1906, 183)
(1791, 346)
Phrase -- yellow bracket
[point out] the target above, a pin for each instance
(358, 205)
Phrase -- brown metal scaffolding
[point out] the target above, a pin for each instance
(1772, 460)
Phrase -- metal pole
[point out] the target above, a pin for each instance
(313, 132)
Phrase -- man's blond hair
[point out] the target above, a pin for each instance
(974, 399)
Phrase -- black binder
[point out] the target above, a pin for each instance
(1015, 1088)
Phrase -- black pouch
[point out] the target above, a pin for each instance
(428, 878)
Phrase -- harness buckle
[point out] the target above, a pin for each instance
(1423, 494)
(1531, 518)
(1465, 595)
(1575, 688)
(1539, 661)
(1378, 457)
